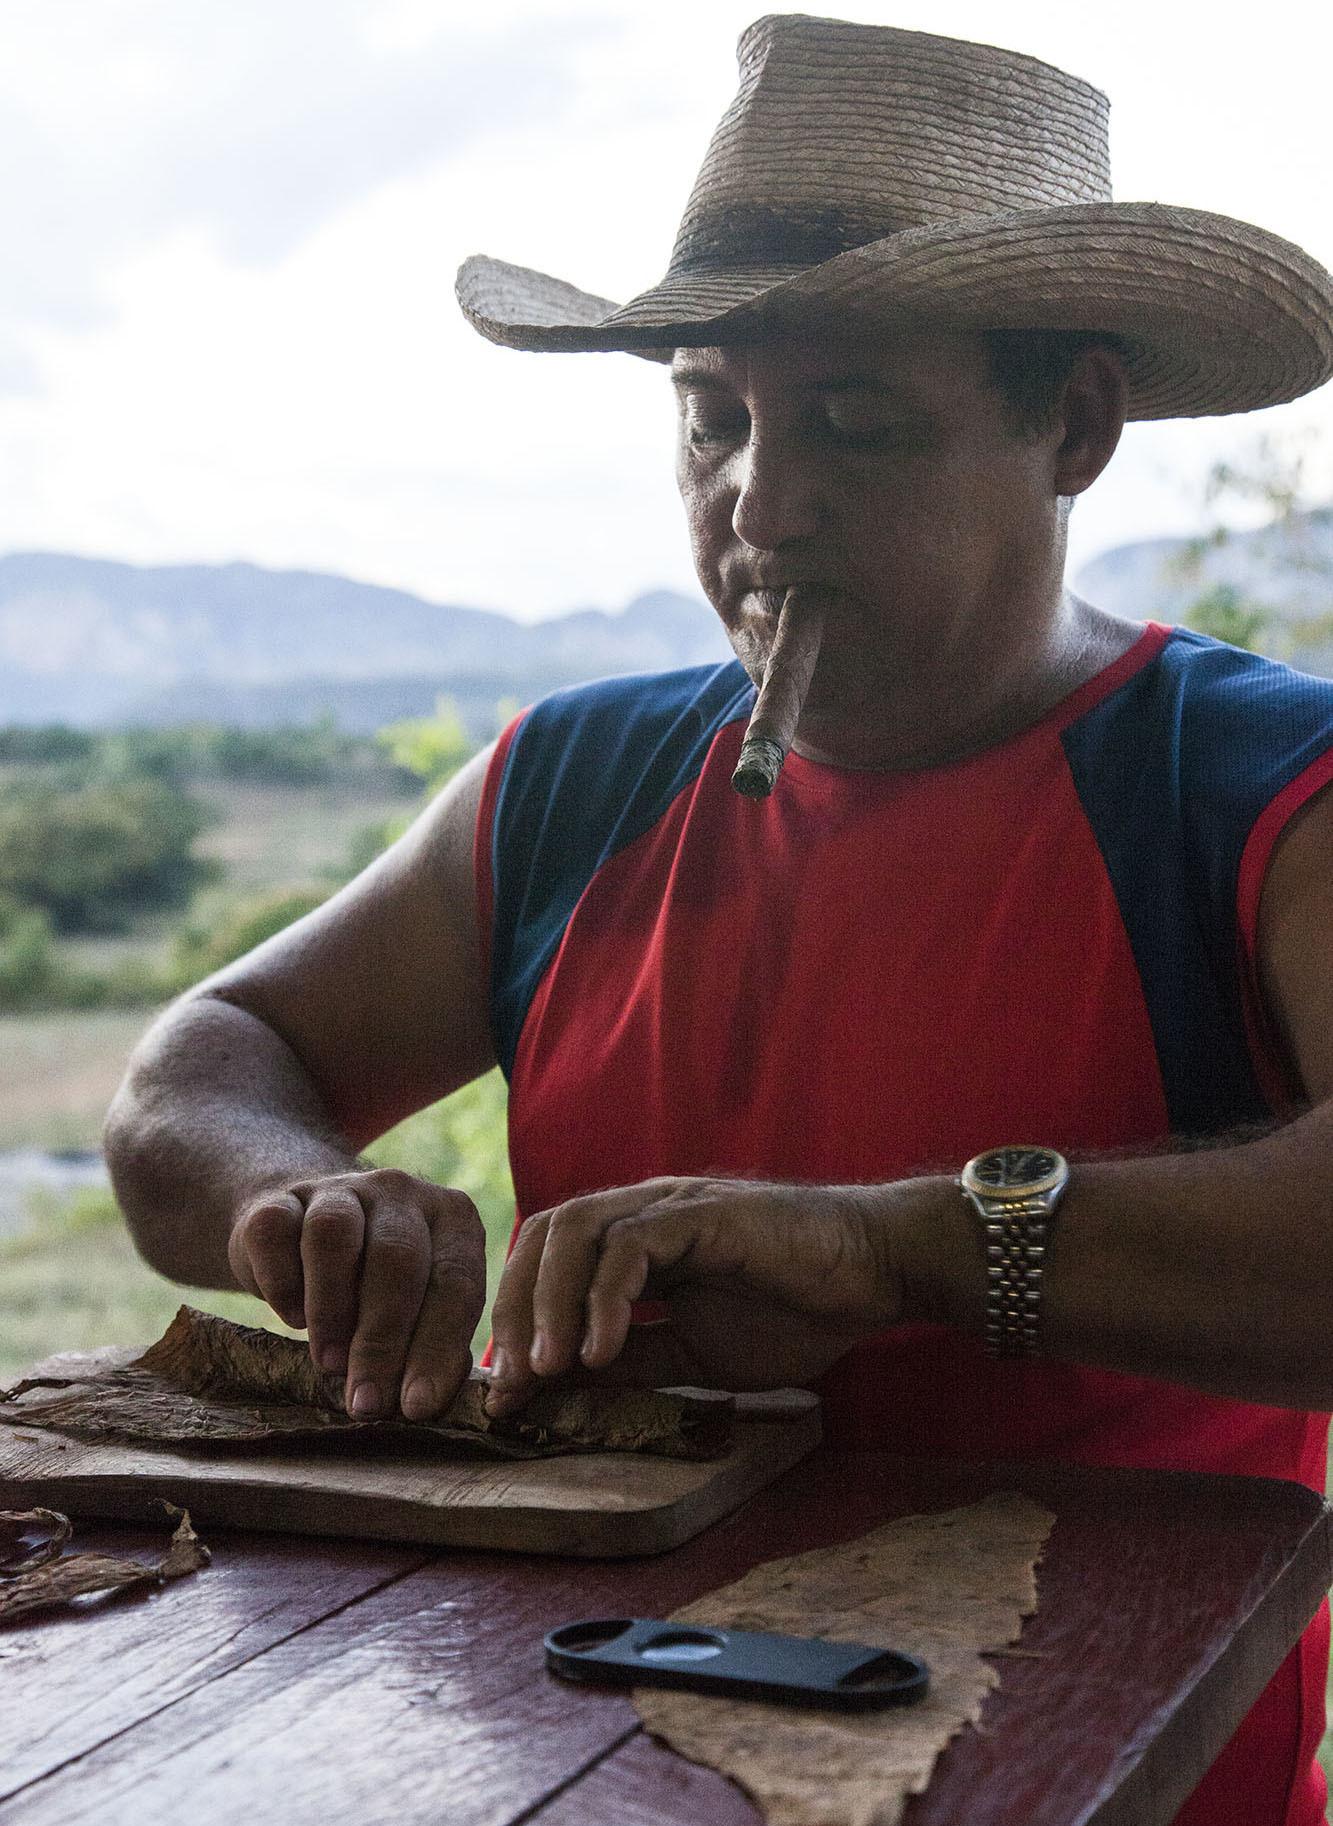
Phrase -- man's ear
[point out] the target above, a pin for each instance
(1092, 415)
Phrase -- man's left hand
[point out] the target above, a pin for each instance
(763, 1285)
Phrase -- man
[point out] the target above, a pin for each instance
(1031, 875)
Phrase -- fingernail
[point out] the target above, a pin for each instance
(540, 1355)
(420, 1398)
(499, 1366)
(365, 1399)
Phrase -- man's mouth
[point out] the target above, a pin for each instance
(771, 593)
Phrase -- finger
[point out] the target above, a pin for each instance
(632, 1249)
(512, 1378)
(264, 1251)
(332, 1238)
(440, 1354)
(395, 1266)
(574, 1241)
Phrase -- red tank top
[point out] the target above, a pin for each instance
(868, 976)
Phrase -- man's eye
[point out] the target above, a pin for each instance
(863, 425)
(703, 432)
(712, 422)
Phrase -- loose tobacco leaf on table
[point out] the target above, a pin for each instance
(951, 1588)
(209, 1382)
(44, 1580)
(29, 1538)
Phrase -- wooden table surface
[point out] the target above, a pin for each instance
(340, 1682)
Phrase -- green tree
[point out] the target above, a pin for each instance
(94, 856)
(45, 742)
(1224, 614)
(1275, 476)
(431, 747)
(27, 966)
(299, 755)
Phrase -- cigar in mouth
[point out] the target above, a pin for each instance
(777, 709)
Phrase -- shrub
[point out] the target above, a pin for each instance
(27, 966)
(93, 856)
(1223, 613)
(431, 747)
(44, 743)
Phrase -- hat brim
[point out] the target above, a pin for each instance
(1218, 316)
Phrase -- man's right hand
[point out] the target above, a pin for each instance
(386, 1272)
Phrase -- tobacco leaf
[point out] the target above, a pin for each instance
(951, 1588)
(53, 1581)
(30, 1537)
(212, 1356)
(209, 1382)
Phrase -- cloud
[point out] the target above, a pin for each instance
(252, 122)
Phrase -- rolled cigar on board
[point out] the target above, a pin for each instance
(777, 709)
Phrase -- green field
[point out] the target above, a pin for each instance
(283, 836)
(58, 1073)
(73, 1281)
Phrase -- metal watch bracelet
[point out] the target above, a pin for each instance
(1016, 1233)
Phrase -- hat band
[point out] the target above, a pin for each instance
(749, 234)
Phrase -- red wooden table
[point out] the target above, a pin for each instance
(342, 1682)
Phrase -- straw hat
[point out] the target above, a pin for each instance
(869, 174)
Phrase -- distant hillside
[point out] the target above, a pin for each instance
(91, 641)
(1287, 571)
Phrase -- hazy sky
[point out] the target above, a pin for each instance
(229, 229)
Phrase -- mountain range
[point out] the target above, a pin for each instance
(1283, 571)
(94, 642)
(90, 641)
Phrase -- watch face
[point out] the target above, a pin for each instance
(1006, 1171)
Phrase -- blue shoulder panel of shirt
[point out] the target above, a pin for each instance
(589, 771)
(1173, 769)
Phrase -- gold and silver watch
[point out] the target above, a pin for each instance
(1015, 1191)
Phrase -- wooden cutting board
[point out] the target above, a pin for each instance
(604, 1504)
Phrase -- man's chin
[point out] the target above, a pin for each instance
(751, 649)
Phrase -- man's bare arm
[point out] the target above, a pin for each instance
(233, 1140)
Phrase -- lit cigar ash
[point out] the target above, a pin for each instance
(777, 709)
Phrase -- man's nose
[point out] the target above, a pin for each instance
(778, 497)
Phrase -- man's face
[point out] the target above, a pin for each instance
(888, 476)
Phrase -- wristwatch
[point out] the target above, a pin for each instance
(1015, 1191)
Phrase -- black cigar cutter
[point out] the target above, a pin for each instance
(745, 1664)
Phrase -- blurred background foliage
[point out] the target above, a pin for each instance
(133, 864)
(72, 1279)
(1274, 481)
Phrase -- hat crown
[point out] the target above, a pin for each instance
(841, 134)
